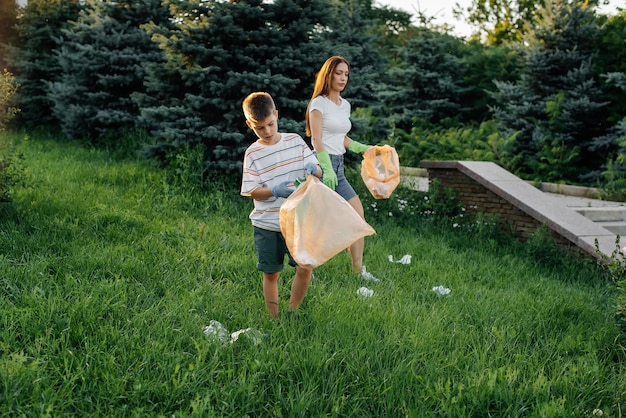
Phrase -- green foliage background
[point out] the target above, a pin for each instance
(544, 94)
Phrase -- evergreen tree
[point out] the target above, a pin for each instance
(484, 64)
(34, 60)
(215, 55)
(611, 52)
(614, 172)
(357, 32)
(557, 105)
(8, 21)
(101, 56)
(426, 81)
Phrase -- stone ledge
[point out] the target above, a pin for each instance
(557, 188)
(544, 209)
(579, 191)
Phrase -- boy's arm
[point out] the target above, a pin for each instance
(284, 190)
(261, 193)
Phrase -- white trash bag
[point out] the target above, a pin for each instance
(317, 223)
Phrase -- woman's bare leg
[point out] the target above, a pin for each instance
(356, 249)
(299, 287)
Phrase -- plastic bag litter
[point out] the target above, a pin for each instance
(216, 331)
(441, 291)
(404, 260)
(380, 170)
(317, 223)
(365, 292)
(368, 276)
(252, 334)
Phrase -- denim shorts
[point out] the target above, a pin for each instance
(271, 249)
(344, 188)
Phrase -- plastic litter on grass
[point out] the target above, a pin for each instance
(365, 292)
(441, 291)
(404, 260)
(252, 334)
(216, 331)
(368, 276)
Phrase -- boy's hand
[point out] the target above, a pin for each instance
(328, 174)
(283, 189)
(310, 169)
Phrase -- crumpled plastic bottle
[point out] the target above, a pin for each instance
(441, 291)
(404, 260)
(365, 292)
(251, 334)
(216, 330)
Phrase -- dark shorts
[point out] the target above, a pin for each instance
(344, 188)
(271, 249)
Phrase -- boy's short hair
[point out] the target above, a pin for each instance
(258, 106)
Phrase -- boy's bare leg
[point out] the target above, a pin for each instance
(299, 287)
(356, 249)
(356, 253)
(270, 292)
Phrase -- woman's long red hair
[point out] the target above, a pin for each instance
(323, 81)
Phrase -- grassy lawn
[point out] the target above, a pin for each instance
(108, 276)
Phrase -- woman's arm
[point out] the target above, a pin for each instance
(315, 123)
(346, 141)
(355, 146)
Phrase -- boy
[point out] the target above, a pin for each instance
(271, 164)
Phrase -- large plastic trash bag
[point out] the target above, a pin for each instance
(380, 170)
(317, 223)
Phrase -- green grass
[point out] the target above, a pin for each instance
(108, 276)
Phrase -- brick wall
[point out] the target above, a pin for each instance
(478, 199)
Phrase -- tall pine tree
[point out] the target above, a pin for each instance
(219, 52)
(8, 21)
(101, 55)
(556, 106)
(426, 80)
(33, 57)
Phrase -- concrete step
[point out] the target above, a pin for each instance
(603, 214)
(618, 228)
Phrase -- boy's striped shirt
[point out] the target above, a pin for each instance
(269, 165)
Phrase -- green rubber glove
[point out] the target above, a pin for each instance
(358, 148)
(329, 176)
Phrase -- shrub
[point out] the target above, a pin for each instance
(10, 169)
(474, 143)
(615, 266)
(8, 88)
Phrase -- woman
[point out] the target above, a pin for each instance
(328, 123)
